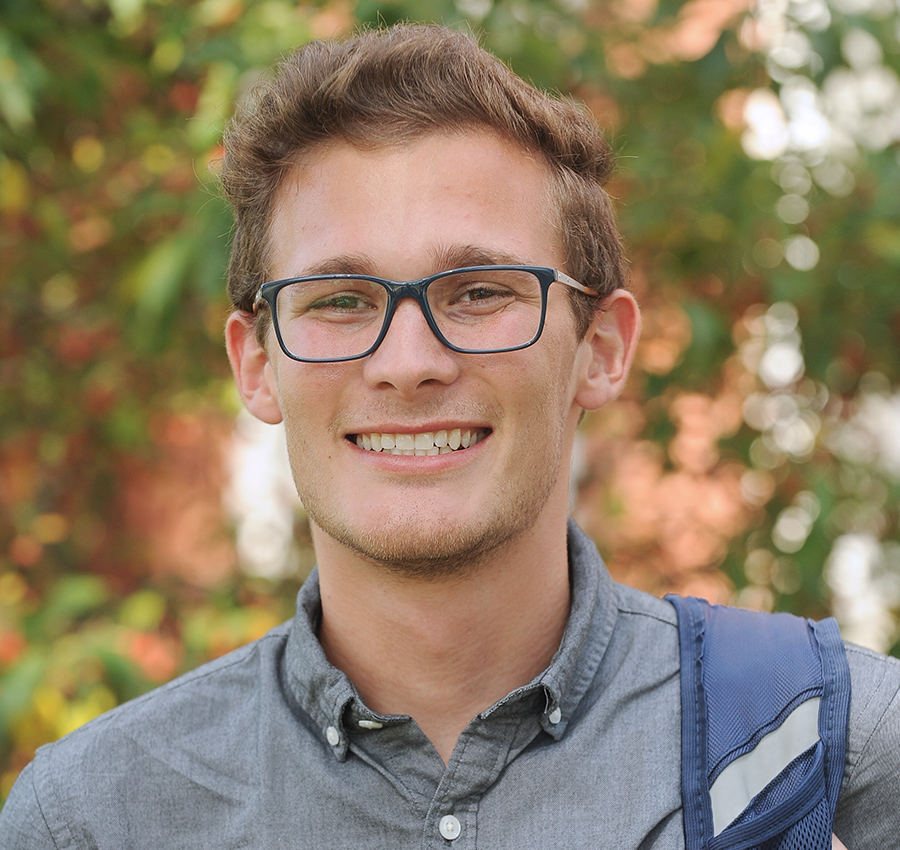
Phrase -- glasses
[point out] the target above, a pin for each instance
(472, 310)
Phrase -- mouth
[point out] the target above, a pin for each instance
(421, 444)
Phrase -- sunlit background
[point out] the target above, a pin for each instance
(146, 524)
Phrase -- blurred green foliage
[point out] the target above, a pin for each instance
(113, 380)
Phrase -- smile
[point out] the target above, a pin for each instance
(427, 443)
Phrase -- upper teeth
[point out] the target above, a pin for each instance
(428, 443)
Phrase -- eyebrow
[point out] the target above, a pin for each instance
(457, 256)
(341, 264)
(444, 259)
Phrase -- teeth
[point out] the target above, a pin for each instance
(427, 443)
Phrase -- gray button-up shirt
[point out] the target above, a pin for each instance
(272, 747)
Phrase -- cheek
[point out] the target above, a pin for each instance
(545, 394)
(311, 391)
(561, 370)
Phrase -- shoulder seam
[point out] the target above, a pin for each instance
(648, 614)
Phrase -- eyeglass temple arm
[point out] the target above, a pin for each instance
(562, 277)
(258, 301)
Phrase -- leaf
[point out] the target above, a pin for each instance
(17, 687)
(156, 280)
(71, 598)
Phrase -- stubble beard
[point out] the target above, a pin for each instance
(424, 546)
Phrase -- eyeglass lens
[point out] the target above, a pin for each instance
(477, 311)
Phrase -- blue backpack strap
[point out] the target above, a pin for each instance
(764, 701)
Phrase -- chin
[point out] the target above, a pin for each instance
(409, 547)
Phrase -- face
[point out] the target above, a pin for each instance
(402, 213)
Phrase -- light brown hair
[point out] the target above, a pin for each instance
(386, 87)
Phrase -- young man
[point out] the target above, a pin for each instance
(429, 292)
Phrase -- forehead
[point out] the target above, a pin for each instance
(404, 211)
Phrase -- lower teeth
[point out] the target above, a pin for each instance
(419, 452)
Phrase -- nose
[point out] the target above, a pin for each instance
(410, 355)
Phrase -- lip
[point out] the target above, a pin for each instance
(418, 428)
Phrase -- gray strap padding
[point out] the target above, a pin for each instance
(737, 785)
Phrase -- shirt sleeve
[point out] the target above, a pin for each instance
(867, 812)
(22, 822)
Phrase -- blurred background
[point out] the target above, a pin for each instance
(147, 525)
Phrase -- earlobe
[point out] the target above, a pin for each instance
(251, 368)
(608, 349)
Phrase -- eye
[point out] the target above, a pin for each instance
(341, 301)
(330, 299)
(479, 294)
(482, 292)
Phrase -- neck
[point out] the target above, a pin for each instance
(442, 651)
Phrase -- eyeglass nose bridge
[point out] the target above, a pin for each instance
(397, 291)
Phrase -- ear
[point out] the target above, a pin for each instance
(608, 350)
(251, 367)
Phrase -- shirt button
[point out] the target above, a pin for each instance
(332, 736)
(555, 716)
(450, 827)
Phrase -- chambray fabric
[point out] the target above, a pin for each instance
(271, 747)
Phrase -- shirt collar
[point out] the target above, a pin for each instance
(592, 617)
(328, 696)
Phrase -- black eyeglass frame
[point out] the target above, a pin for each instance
(415, 289)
